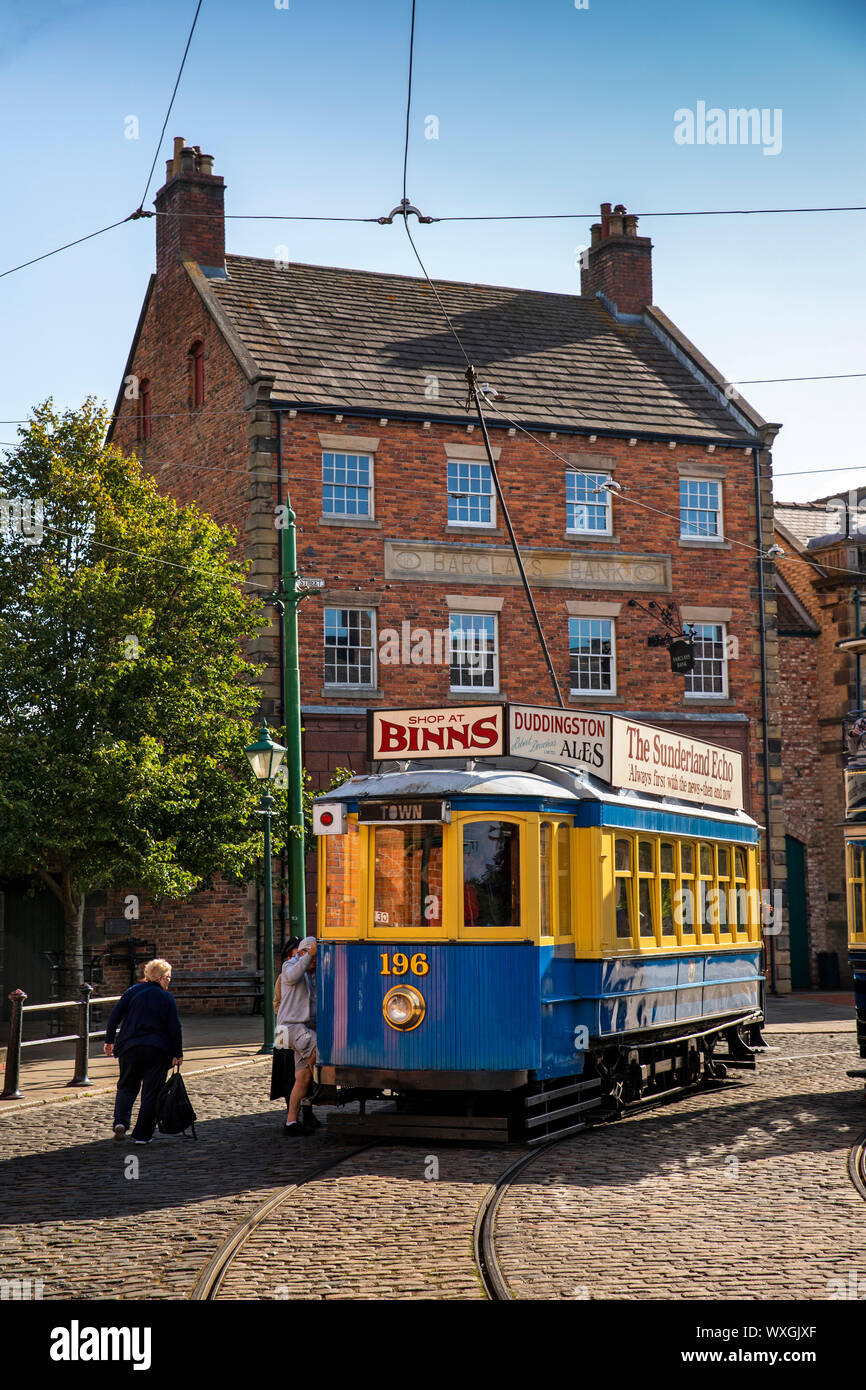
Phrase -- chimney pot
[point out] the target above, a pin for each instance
(619, 262)
(191, 221)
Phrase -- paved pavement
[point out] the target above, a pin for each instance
(207, 1042)
(740, 1192)
(811, 1011)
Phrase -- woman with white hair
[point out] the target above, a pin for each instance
(150, 1040)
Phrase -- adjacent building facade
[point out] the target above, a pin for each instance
(821, 621)
(628, 473)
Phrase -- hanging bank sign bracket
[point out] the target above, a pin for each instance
(622, 752)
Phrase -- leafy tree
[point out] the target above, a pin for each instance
(125, 700)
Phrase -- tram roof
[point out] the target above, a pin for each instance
(518, 779)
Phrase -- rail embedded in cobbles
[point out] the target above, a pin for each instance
(758, 1168)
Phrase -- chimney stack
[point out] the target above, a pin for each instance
(190, 212)
(619, 261)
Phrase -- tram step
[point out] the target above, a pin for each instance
(551, 1116)
(391, 1124)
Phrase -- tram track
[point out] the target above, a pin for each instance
(212, 1276)
(212, 1280)
(857, 1165)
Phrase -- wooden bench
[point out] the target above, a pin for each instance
(219, 984)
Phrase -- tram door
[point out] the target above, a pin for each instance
(795, 854)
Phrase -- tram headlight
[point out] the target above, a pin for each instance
(404, 1007)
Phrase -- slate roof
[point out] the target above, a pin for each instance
(350, 338)
(808, 521)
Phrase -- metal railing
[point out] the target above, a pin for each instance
(12, 1080)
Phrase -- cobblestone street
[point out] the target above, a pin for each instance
(741, 1192)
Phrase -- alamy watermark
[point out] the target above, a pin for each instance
(21, 1290)
(421, 646)
(24, 517)
(735, 126)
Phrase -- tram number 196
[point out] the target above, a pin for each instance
(401, 964)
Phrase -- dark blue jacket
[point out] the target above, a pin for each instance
(147, 1017)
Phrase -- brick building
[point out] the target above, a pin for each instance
(820, 683)
(344, 389)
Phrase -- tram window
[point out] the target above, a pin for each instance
(491, 874)
(739, 913)
(708, 898)
(544, 878)
(724, 862)
(563, 868)
(646, 888)
(667, 869)
(856, 867)
(342, 881)
(408, 879)
(622, 868)
(686, 912)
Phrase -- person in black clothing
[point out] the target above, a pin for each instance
(150, 1041)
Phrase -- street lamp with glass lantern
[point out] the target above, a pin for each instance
(265, 758)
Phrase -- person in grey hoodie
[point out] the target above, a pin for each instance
(297, 1014)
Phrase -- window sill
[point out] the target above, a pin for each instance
(704, 543)
(584, 695)
(696, 699)
(593, 536)
(462, 529)
(482, 695)
(367, 523)
(331, 691)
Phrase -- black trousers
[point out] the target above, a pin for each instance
(144, 1069)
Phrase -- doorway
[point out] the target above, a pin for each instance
(798, 924)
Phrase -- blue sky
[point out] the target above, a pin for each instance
(541, 107)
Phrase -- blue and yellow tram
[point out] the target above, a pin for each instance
(855, 868)
(507, 943)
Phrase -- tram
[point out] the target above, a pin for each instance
(528, 915)
(854, 832)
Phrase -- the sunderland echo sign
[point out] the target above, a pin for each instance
(473, 731)
(647, 759)
(569, 738)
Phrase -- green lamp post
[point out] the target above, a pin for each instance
(265, 758)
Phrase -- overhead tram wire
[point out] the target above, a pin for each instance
(347, 407)
(77, 242)
(671, 516)
(688, 212)
(473, 390)
(170, 104)
(148, 559)
(493, 217)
